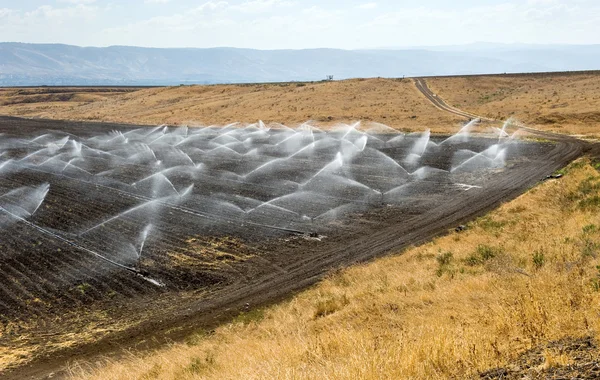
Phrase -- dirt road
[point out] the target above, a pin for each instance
(421, 85)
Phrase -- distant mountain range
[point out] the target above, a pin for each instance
(56, 64)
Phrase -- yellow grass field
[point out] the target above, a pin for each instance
(563, 103)
(559, 102)
(393, 102)
(525, 275)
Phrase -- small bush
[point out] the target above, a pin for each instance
(486, 252)
(482, 254)
(198, 364)
(595, 282)
(590, 228)
(196, 338)
(539, 259)
(444, 260)
(250, 316)
(590, 203)
(588, 186)
(83, 288)
(330, 305)
(489, 224)
(589, 248)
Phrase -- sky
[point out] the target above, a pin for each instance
(296, 24)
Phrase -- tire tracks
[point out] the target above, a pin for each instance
(441, 104)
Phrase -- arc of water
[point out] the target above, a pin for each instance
(420, 145)
(359, 143)
(39, 192)
(165, 202)
(337, 163)
(501, 133)
(295, 135)
(224, 147)
(395, 140)
(263, 166)
(309, 146)
(144, 235)
(508, 122)
(76, 167)
(270, 203)
(57, 157)
(82, 248)
(422, 172)
(351, 128)
(463, 134)
(6, 163)
(126, 212)
(40, 137)
(160, 173)
(39, 151)
(185, 155)
(497, 159)
(467, 187)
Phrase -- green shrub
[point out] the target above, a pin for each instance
(590, 228)
(539, 259)
(444, 260)
(247, 317)
(482, 254)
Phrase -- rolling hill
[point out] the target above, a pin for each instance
(56, 64)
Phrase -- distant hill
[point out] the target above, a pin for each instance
(55, 64)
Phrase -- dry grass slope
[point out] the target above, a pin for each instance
(393, 102)
(526, 274)
(560, 102)
(563, 103)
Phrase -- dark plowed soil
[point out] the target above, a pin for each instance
(231, 266)
(581, 361)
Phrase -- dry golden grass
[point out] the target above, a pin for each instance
(521, 276)
(566, 103)
(393, 102)
(563, 103)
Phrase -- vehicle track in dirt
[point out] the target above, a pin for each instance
(289, 269)
(438, 102)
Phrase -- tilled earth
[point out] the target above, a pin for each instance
(184, 263)
(581, 358)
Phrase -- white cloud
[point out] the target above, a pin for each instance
(156, 1)
(367, 6)
(77, 1)
(61, 14)
(269, 24)
(5, 12)
(210, 6)
(257, 6)
(533, 21)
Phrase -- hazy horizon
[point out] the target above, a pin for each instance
(60, 64)
(474, 45)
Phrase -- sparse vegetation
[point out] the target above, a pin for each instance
(386, 101)
(482, 254)
(532, 99)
